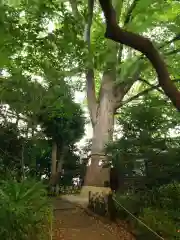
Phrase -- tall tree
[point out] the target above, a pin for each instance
(32, 83)
(111, 69)
(119, 67)
(63, 122)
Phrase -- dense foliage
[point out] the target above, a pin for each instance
(147, 156)
(37, 107)
(25, 211)
(43, 61)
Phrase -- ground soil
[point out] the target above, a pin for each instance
(73, 223)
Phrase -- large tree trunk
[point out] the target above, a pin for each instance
(102, 110)
(60, 160)
(60, 164)
(97, 176)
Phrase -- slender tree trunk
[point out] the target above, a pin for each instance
(22, 162)
(17, 120)
(32, 131)
(60, 158)
(60, 164)
(54, 156)
(53, 163)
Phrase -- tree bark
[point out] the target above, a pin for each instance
(101, 110)
(17, 120)
(22, 163)
(145, 46)
(60, 159)
(97, 175)
(53, 164)
(59, 165)
(91, 96)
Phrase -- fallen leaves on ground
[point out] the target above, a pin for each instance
(76, 224)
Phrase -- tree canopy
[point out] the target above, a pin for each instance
(49, 50)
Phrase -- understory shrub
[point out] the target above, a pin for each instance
(25, 212)
(130, 202)
(160, 222)
(158, 208)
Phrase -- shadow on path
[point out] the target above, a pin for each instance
(73, 223)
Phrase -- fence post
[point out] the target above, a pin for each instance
(111, 207)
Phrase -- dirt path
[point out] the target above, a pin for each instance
(72, 223)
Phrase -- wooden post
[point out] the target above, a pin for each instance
(111, 207)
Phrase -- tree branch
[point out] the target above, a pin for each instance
(125, 86)
(120, 50)
(146, 91)
(173, 52)
(89, 22)
(126, 21)
(145, 46)
(91, 97)
(151, 85)
(74, 7)
(174, 39)
(90, 84)
(129, 12)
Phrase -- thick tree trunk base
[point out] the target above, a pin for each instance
(94, 190)
(97, 175)
(54, 178)
(97, 198)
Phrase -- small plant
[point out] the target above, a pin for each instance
(130, 202)
(25, 212)
(160, 222)
(158, 208)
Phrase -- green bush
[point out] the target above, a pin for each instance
(158, 208)
(131, 202)
(160, 222)
(25, 212)
(169, 195)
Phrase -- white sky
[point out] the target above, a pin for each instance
(79, 98)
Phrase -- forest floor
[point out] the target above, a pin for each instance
(73, 223)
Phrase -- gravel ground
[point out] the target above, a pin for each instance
(73, 223)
